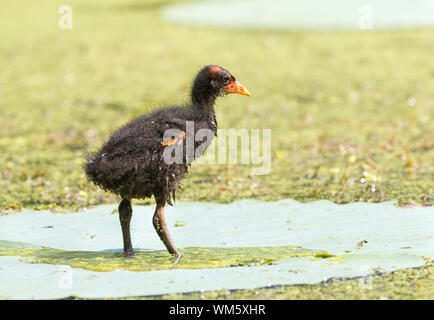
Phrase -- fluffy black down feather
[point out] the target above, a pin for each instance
(131, 162)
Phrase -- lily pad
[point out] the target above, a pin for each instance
(307, 14)
(245, 244)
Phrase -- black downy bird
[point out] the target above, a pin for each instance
(131, 163)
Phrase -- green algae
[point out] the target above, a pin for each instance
(9, 248)
(192, 258)
(179, 223)
(323, 255)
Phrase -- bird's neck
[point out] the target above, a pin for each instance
(203, 100)
(203, 106)
(205, 112)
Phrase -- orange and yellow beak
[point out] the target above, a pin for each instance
(236, 87)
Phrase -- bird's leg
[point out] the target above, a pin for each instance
(161, 228)
(125, 213)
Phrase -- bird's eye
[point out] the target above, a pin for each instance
(226, 79)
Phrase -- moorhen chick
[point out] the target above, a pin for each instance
(131, 163)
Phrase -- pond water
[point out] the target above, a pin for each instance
(307, 14)
(358, 238)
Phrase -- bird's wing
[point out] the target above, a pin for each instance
(174, 123)
(176, 139)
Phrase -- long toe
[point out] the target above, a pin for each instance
(177, 257)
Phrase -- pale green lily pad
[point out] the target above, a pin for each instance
(395, 238)
(307, 14)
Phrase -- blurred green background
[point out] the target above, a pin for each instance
(351, 112)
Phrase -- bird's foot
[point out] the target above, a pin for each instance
(177, 257)
(128, 253)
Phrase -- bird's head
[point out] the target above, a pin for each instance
(214, 81)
